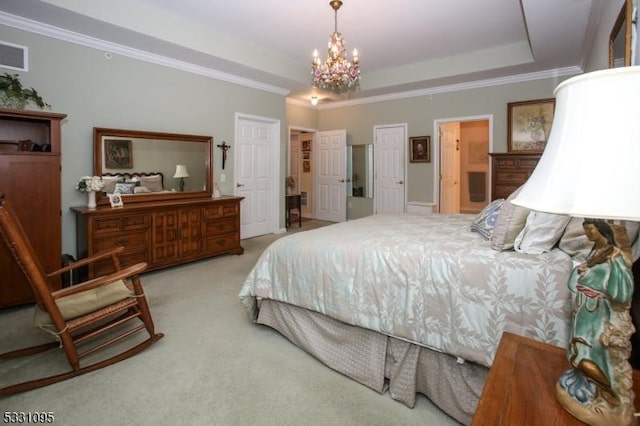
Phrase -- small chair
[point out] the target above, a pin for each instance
(79, 314)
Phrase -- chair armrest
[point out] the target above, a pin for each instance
(127, 272)
(86, 261)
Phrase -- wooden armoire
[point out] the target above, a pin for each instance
(30, 171)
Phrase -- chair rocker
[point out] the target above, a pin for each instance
(79, 314)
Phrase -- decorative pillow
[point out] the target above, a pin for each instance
(152, 183)
(124, 188)
(141, 190)
(510, 222)
(110, 183)
(485, 221)
(575, 243)
(541, 232)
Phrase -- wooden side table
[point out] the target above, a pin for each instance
(293, 202)
(520, 389)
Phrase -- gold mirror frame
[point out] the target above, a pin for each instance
(100, 133)
(622, 28)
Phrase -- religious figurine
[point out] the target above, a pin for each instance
(597, 389)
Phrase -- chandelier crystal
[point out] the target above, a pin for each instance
(336, 73)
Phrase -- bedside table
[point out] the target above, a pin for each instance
(520, 389)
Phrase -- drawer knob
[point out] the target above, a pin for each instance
(122, 242)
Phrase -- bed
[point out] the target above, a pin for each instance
(417, 304)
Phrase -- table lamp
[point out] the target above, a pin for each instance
(181, 172)
(589, 169)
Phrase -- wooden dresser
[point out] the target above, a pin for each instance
(164, 233)
(30, 145)
(509, 171)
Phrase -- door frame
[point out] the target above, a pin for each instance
(300, 129)
(436, 147)
(277, 182)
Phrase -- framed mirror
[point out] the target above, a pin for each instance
(620, 38)
(151, 166)
(360, 171)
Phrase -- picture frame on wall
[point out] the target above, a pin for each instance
(420, 149)
(118, 154)
(529, 125)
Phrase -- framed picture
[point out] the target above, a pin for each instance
(420, 149)
(306, 145)
(115, 200)
(529, 125)
(306, 166)
(118, 154)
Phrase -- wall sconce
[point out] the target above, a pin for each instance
(181, 173)
(314, 100)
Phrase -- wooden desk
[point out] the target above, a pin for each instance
(520, 389)
(293, 202)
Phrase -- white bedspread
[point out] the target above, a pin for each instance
(425, 279)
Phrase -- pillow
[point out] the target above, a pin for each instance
(152, 183)
(110, 183)
(486, 219)
(541, 232)
(575, 243)
(141, 190)
(509, 223)
(124, 188)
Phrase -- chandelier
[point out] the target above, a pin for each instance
(336, 73)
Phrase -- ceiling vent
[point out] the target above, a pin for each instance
(13, 56)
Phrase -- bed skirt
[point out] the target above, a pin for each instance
(369, 357)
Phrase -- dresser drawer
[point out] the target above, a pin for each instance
(103, 267)
(130, 241)
(219, 227)
(222, 243)
(108, 225)
(509, 176)
(503, 191)
(220, 210)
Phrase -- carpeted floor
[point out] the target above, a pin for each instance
(213, 367)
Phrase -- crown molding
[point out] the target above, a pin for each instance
(114, 48)
(519, 78)
(95, 43)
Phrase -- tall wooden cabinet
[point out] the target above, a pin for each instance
(509, 171)
(30, 145)
(162, 233)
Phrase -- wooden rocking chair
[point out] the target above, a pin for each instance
(80, 313)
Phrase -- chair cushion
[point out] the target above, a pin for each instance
(83, 303)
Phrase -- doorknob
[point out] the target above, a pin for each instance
(239, 185)
(400, 182)
(341, 181)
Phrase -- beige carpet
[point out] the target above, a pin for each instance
(213, 367)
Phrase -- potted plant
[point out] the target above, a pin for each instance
(290, 183)
(14, 95)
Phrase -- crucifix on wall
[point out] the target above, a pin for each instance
(224, 147)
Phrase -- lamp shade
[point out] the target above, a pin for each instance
(590, 166)
(181, 171)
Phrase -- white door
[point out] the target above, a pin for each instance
(390, 159)
(330, 151)
(256, 169)
(450, 167)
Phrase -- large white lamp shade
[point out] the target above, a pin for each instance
(591, 164)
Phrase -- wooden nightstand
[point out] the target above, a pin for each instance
(520, 389)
